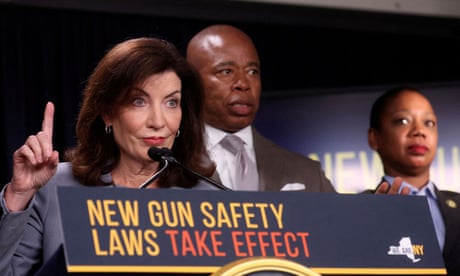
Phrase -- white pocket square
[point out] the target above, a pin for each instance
(293, 187)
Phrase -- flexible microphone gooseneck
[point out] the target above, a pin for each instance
(165, 155)
(155, 176)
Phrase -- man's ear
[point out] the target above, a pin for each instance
(372, 138)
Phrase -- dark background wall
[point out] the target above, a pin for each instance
(48, 48)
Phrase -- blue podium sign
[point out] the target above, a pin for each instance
(169, 230)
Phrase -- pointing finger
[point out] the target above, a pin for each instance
(48, 117)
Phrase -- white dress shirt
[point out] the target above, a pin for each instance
(225, 161)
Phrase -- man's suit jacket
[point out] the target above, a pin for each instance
(449, 204)
(277, 167)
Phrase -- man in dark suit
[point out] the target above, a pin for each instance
(403, 131)
(229, 66)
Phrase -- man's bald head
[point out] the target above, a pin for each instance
(214, 36)
(229, 66)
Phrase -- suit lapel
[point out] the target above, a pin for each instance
(269, 176)
(449, 207)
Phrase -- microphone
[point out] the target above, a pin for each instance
(165, 155)
(160, 155)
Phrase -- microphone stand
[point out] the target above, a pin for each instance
(155, 175)
(165, 155)
(207, 179)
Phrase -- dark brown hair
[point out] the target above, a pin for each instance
(126, 65)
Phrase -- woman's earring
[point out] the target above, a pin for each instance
(108, 129)
(177, 133)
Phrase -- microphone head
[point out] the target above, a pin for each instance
(165, 152)
(155, 154)
(159, 155)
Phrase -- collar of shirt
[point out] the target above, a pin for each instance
(214, 136)
(427, 190)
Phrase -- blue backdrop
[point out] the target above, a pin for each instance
(332, 128)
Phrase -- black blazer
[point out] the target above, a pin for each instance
(449, 204)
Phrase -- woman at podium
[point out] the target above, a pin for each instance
(142, 94)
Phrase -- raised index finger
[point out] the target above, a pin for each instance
(48, 118)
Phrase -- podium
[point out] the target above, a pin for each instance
(169, 231)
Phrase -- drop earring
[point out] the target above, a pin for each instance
(108, 129)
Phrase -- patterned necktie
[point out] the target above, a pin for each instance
(245, 169)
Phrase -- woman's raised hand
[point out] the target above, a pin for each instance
(34, 163)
